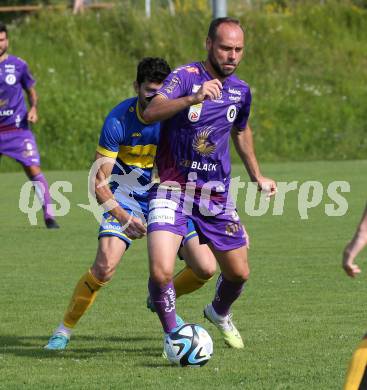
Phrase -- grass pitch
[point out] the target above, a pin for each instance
(300, 315)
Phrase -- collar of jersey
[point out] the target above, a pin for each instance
(137, 108)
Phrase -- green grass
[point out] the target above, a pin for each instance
(300, 315)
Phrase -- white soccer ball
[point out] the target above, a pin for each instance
(190, 345)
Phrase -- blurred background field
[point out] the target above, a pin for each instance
(305, 61)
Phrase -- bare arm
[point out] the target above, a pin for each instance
(161, 108)
(32, 99)
(359, 241)
(244, 144)
(133, 226)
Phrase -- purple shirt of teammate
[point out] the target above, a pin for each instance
(196, 139)
(14, 77)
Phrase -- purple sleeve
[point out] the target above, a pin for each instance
(27, 79)
(244, 112)
(175, 85)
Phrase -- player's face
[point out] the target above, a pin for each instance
(4, 43)
(226, 50)
(146, 92)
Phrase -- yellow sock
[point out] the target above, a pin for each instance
(186, 282)
(85, 293)
(356, 378)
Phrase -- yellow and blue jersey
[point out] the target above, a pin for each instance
(133, 143)
(126, 137)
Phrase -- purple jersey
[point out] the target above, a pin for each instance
(197, 139)
(14, 77)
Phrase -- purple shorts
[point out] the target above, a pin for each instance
(171, 211)
(21, 146)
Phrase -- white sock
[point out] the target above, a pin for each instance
(217, 316)
(64, 329)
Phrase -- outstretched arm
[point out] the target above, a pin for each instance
(244, 144)
(352, 249)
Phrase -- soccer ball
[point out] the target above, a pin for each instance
(190, 345)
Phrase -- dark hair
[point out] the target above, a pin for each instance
(3, 28)
(153, 69)
(212, 33)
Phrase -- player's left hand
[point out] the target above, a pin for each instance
(267, 185)
(32, 115)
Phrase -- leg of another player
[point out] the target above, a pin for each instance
(35, 174)
(162, 248)
(356, 378)
(200, 267)
(109, 253)
(234, 273)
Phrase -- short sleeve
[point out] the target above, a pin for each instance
(112, 136)
(175, 85)
(244, 112)
(26, 79)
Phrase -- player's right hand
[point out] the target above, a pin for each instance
(134, 228)
(209, 90)
(349, 266)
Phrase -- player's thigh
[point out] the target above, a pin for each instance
(233, 263)
(162, 249)
(109, 253)
(199, 258)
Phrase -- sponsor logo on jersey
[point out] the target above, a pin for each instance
(10, 79)
(136, 134)
(234, 91)
(231, 113)
(6, 112)
(3, 102)
(200, 166)
(234, 98)
(172, 84)
(9, 68)
(194, 112)
(202, 144)
(131, 109)
(17, 121)
(192, 69)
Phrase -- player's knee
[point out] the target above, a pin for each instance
(240, 276)
(206, 272)
(246, 275)
(161, 277)
(103, 273)
(103, 270)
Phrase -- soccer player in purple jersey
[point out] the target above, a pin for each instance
(201, 104)
(127, 145)
(356, 377)
(16, 139)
